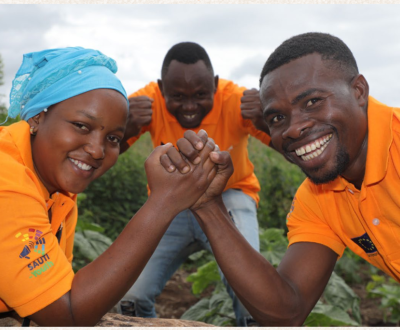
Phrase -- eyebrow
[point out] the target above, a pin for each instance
(306, 93)
(120, 128)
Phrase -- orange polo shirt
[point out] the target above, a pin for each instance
(367, 221)
(224, 123)
(36, 269)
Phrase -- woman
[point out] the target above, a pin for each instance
(74, 112)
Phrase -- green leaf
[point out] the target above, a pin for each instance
(205, 275)
(328, 316)
(337, 293)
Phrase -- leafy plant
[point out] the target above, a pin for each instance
(113, 199)
(389, 290)
(216, 309)
(279, 181)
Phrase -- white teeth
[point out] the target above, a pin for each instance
(189, 116)
(81, 165)
(318, 146)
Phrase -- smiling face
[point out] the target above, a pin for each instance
(188, 90)
(317, 118)
(77, 140)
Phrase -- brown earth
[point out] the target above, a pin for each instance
(177, 298)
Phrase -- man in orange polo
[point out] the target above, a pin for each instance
(321, 118)
(189, 96)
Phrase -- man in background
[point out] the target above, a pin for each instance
(189, 96)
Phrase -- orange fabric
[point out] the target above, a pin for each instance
(36, 269)
(367, 221)
(224, 123)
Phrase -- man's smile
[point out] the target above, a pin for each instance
(314, 148)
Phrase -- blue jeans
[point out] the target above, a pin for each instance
(183, 238)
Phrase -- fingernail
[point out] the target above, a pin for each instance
(185, 169)
(197, 160)
(199, 145)
(171, 168)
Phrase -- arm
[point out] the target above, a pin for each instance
(275, 297)
(140, 113)
(101, 284)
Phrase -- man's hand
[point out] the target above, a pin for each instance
(191, 148)
(140, 113)
(251, 109)
(176, 181)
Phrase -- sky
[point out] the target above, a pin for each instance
(238, 38)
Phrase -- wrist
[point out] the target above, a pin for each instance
(207, 209)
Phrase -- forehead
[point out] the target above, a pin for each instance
(100, 104)
(306, 73)
(181, 74)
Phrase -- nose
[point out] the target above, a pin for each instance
(189, 105)
(95, 148)
(297, 126)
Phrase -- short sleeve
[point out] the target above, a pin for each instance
(36, 271)
(306, 222)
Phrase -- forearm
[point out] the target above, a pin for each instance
(97, 287)
(268, 296)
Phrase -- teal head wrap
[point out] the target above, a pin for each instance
(54, 75)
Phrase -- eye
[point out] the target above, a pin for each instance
(114, 139)
(277, 119)
(177, 97)
(81, 126)
(312, 102)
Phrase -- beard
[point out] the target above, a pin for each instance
(341, 163)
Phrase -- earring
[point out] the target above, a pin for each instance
(45, 110)
(31, 130)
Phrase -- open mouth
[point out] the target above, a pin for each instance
(313, 149)
(83, 166)
(189, 117)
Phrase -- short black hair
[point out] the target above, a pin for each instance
(330, 48)
(187, 53)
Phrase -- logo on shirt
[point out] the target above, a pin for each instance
(365, 243)
(33, 243)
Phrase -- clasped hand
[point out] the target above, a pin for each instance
(191, 177)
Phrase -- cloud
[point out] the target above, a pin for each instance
(238, 38)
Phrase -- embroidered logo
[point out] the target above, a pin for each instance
(365, 243)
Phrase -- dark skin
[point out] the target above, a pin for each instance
(285, 296)
(89, 124)
(188, 90)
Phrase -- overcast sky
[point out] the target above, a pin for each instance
(238, 38)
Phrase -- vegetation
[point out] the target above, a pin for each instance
(109, 203)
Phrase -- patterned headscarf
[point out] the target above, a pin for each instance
(54, 75)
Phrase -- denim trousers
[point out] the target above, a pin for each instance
(183, 238)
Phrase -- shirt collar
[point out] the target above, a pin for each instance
(22, 138)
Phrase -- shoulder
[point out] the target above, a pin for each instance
(151, 90)
(229, 88)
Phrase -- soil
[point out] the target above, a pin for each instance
(177, 297)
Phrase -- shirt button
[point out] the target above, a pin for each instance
(376, 221)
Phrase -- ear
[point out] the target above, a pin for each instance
(216, 80)
(36, 120)
(361, 89)
(160, 86)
